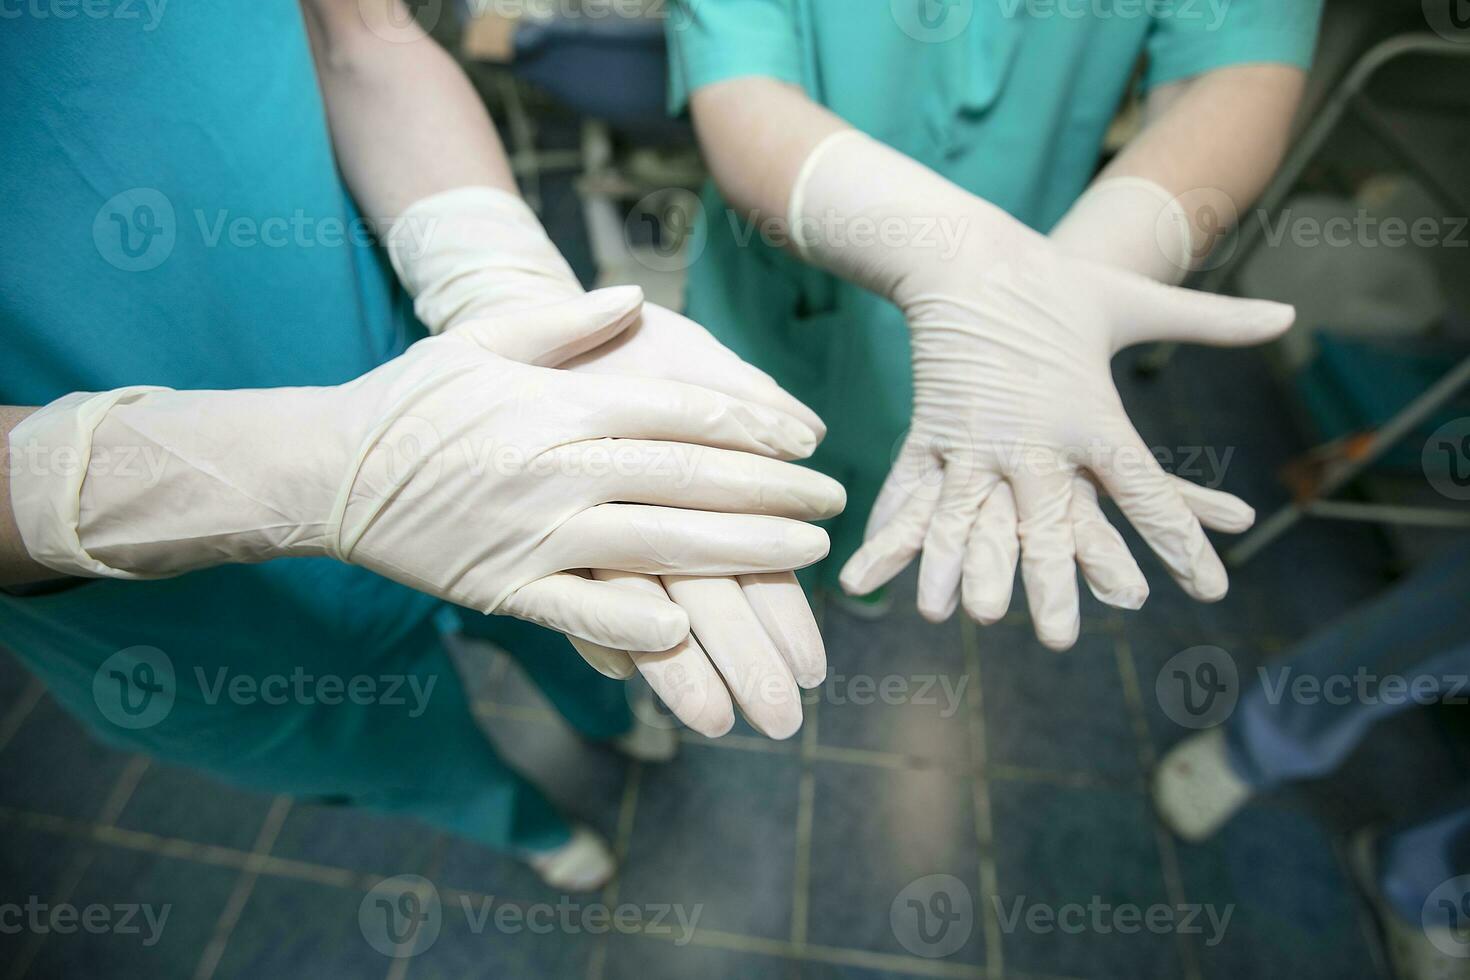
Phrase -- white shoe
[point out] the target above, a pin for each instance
(583, 864)
(1195, 789)
(1416, 952)
(648, 743)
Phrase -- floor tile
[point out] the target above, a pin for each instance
(874, 833)
(716, 829)
(355, 839)
(1075, 869)
(49, 743)
(174, 802)
(1295, 911)
(1056, 711)
(484, 937)
(640, 958)
(293, 928)
(896, 685)
(832, 971)
(32, 866)
(154, 916)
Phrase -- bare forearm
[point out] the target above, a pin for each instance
(755, 134)
(16, 566)
(405, 121)
(1215, 141)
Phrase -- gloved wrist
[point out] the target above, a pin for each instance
(143, 483)
(1133, 224)
(474, 252)
(876, 217)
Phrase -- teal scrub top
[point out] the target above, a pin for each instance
(1010, 99)
(171, 214)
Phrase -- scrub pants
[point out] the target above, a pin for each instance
(238, 656)
(1418, 632)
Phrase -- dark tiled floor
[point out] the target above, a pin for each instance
(1017, 774)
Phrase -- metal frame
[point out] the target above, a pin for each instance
(1357, 455)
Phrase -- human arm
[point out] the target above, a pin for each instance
(1012, 338)
(449, 469)
(420, 154)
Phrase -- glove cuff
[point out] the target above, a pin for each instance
(1133, 224)
(51, 452)
(474, 252)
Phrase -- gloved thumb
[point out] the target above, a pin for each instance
(1144, 311)
(548, 336)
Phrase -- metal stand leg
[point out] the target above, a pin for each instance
(1349, 466)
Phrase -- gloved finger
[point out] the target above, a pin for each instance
(1216, 509)
(548, 335)
(1048, 552)
(673, 474)
(1152, 503)
(1107, 565)
(990, 557)
(1145, 311)
(682, 677)
(596, 611)
(710, 363)
(737, 643)
(943, 561)
(672, 411)
(615, 664)
(781, 606)
(667, 540)
(916, 472)
(889, 551)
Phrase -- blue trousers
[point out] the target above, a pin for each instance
(1306, 713)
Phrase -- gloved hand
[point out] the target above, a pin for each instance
(475, 251)
(1013, 397)
(449, 469)
(1135, 225)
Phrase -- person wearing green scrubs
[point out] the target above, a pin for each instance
(164, 175)
(1009, 101)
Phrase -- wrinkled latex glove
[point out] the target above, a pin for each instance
(1138, 226)
(477, 251)
(1012, 341)
(449, 469)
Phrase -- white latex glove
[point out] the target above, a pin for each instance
(476, 250)
(1012, 341)
(449, 469)
(1136, 225)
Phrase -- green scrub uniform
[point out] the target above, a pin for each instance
(1010, 99)
(172, 215)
